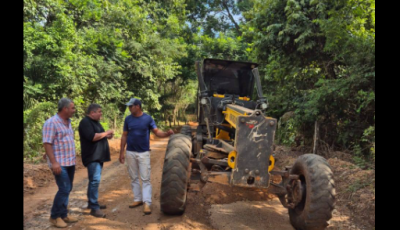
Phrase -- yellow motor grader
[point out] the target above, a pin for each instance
(233, 145)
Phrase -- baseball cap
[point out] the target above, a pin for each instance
(134, 101)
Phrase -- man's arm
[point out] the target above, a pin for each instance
(55, 166)
(109, 136)
(87, 131)
(99, 136)
(48, 135)
(160, 133)
(122, 148)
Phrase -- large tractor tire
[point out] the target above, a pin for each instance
(176, 174)
(179, 141)
(318, 199)
(186, 130)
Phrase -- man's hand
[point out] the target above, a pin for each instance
(110, 132)
(56, 168)
(170, 132)
(122, 158)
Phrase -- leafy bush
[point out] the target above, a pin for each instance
(34, 119)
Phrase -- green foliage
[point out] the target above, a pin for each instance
(215, 16)
(364, 151)
(105, 125)
(34, 119)
(317, 58)
(101, 52)
(286, 132)
(358, 157)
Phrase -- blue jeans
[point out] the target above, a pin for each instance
(64, 182)
(94, 174)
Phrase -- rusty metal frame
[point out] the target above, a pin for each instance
(289, 190)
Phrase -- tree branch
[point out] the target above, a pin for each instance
(225, 5)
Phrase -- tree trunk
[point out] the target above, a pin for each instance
(316, 137)
(175, 113)
(177, 117)
(165, 116)
(330, 70)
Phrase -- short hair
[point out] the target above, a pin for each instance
(64, 103)
(93, 107)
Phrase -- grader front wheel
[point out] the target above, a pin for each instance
(313, 192)
(176, 174)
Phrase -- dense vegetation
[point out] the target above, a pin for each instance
(317, 62)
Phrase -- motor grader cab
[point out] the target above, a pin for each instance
(233, 145)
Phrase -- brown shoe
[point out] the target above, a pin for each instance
(146, 209)
(59, 223)
(135, 204)
(97, 213)
(70, 219)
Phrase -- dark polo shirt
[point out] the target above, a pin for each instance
(97, 151)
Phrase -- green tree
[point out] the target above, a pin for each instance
(319, 61)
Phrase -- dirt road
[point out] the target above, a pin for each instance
(215, 207)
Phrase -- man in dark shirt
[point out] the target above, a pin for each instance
(136, 133)
(95, 151)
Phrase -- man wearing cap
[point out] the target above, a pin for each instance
(136, 135)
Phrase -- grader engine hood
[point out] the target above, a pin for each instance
(253, 146)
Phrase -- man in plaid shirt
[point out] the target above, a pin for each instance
(58, 141)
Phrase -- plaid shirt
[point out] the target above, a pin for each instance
(61, 137)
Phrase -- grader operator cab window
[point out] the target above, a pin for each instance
(227, 77)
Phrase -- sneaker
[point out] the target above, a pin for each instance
(135, 204)
(70, 219)
(146, 209)
(97, 213)
(59, 223)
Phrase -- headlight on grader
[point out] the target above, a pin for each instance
(264, 106)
